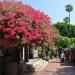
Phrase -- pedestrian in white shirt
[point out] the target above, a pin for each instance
(62, 57)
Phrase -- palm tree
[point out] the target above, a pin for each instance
(69, 8)
(66, 20)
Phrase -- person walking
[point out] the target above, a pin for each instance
(62, 57)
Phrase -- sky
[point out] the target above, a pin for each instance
(55, 9)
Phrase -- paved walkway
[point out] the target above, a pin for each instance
(56, 68)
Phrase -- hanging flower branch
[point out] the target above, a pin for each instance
(21, 24)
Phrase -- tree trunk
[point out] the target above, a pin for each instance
(69, 17)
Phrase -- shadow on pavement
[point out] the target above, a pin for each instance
(29, 70)
(70, 70)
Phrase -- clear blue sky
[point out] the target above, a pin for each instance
(53, 8)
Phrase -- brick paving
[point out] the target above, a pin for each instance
(56, 68)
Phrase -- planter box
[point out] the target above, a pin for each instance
(10, 68)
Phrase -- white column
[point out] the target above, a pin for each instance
(23, 53)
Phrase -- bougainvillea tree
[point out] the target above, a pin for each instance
(21, 24)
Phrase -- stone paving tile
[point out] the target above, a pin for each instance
(56, 68)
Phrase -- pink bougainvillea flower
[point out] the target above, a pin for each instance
(21, 24)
